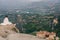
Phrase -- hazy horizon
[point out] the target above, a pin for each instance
(5, 4)
(15, 3)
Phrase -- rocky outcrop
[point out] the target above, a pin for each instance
(10, 32)
(8, 29)
(47, 35)
(19, 36)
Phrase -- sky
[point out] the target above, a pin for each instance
(16, 1)
(19, 0)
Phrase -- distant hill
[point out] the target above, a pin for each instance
(41, 7)
(44, 7)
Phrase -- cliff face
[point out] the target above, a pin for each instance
(8, 29)
(19, 36)
(10, 32)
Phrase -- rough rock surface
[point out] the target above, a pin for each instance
(18, 36)
(8, 29)
(2, 38)
(10, 32)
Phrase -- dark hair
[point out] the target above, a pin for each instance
(6, 16)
